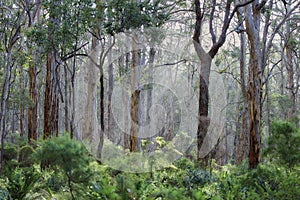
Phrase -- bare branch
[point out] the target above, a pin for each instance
(181, 10)
(197, 30)
(215, 48)
(211, 28)
(175, 63)
(270, 41)
(73, 53)
(102, 58)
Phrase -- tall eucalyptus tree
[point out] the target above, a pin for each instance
(204, 9)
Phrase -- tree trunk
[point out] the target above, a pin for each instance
(252, 18)
(135, 97)
(4, 98)
(244, 132)
(51, 101)
(290, 77)
(204, 74)
(89, 126)
(72, 100)
(206, 59)
(66, 100)
(22, 108)
(32, 110)
(150, 80)
(102, 111)
(109, 92)
(126, 117)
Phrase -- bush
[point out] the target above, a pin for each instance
(264, 182)
(283, 144)
(25, 156)
(4, 193)
(70, 158)
(25, 183)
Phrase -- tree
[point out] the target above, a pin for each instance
(11, 34)
(259, 54)
(206, 57)
(135, 97)
(127, 16)
(33, 13)
(61, 19)
(290, 46)
(242, 145)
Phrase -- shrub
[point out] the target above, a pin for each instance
(4, 193)
(22, 182)
(283, 144)
(62, 154)
(264, 182)
(25, 156)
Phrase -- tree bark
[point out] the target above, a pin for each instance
(135, 97)
(109, 92)
(290, 73)
(252, 18)
(102, 111)
(32, 110)
(244, 132)
(89, 128)
(204, 74)
(4, 98)
(126, 117)
(206, 58)
(66, 101)
(51, 101)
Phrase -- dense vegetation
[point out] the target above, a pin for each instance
(71, 174)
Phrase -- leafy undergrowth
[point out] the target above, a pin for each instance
(184, 182)
(61, 169)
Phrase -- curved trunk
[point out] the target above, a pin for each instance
(204, 74)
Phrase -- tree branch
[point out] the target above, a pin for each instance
(270, 41)
(175, 63)
(181, 10)
(198, 22)
(260, 5)
(215, 48)
(211, 28)
(73, 53)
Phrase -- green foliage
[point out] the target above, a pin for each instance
(279, 104)
(264, 182)
(283, 143)
(25, 156)
(4, 193)
(186, 181)
(63, 152)
(68, 155)
(70, 168)
(10, 152)
(69, 21)
(127, 14)
(197, 177)
(22, 181)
